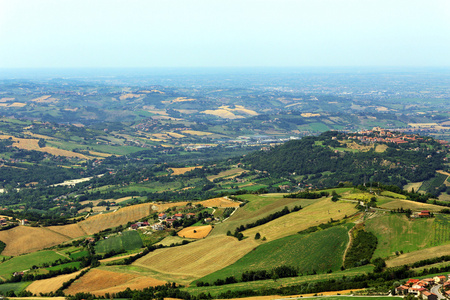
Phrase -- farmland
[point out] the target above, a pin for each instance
(316, 252)
(396, 233)
(24, 239)
(128, 240)
(94, 282)
(195, 232)
(196, 260)
(25, 262)
(50, 284)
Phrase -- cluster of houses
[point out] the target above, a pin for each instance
(164, 220)
(421, 287)
(378, 134)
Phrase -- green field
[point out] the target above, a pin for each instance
(432, 184)
(25, 262)
(16, 287)
(129, 240)
(261, 284)
(258, 207)
(79, 254)
(75, 264)
(396, 233)
(319, 251)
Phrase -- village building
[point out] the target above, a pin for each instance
(158, 226)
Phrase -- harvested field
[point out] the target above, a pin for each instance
(95, 202)
(181, 171)
(5, 99)
(333, 293)
(164, 206)
(312, 215)
(381, 148)
(195, 232)
(187, 111)
(32, 144)
(39, 136)
(228, 173)
(17, 104)
(219, 202)
(41, 99)
(195, 132)
(412, 257)
(129, 96)
(310, 115)
(413, 185)
(157, 112)
(25, 239)
(175, 135)
(223, 113)
(177, 100)
(50, 284)
(196, 260)
(101, 222)
(94, 282)
(414, 206)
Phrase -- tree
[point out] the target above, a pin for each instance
(41, 143)
(257, 236)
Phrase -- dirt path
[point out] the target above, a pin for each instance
(116, 258)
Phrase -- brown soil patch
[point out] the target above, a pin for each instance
(50, 284)
(25, 239)
(195, 232)
(181, 171)
(99, 282)
(219, 202)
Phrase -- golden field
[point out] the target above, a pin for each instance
(26, 239)
(195, 232)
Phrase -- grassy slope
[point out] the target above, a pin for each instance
(320, 251)
(215, 290)
(25, 262)
(16, 287)
(129, 240)
(396, 233)
(258, 207)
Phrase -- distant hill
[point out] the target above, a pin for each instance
(329, 159)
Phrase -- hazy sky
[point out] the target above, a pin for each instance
(223, 33)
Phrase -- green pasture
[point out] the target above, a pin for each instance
(215, 290)
(319, 252)
(128, 240)
(395, 232)
(25, 262)
(16, 287)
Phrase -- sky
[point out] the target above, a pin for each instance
(224, 33)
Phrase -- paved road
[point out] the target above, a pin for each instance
(435, 290)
